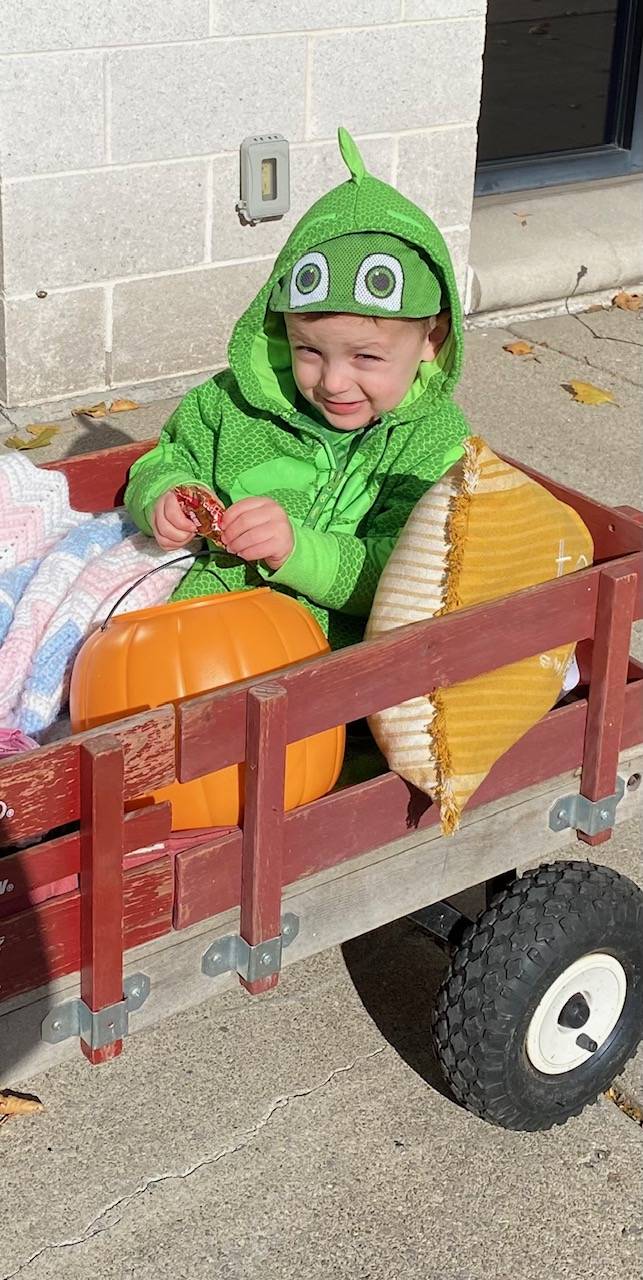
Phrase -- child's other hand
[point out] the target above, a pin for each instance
(172, 528)
(258, 529)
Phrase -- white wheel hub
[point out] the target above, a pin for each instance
(577, 1014)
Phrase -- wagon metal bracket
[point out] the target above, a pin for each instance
(100, 1028)
(589, 816)
(234, 954)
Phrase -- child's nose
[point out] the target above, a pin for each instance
(334, 379)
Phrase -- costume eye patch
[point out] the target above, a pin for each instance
(310, 280)
(379, 282)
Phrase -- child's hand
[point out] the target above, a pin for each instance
(258, 529)
(172, 528)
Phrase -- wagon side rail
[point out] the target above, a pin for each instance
(255, 720)
(252, 722)
(77, 794)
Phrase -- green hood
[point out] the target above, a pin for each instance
(259, 353)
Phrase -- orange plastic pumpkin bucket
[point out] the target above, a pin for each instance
(156, 655)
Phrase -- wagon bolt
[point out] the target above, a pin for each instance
(265, 959)
(585, 1042)
(604, 815)
(134, 993)
(561, 814)
(56, 1024)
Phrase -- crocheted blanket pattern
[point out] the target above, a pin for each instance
(61, 571)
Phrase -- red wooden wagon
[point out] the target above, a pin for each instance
(542, 1002)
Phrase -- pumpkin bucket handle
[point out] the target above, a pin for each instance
(199, 555)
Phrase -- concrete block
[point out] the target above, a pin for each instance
(51, 113)
(87, 227)
(432, 9)
(436, 170)
(198, 98)
(178, 323)
(406, 77)
(72, 24)
(458, 245)
(313, 170)
(55, 345)
(274, 15)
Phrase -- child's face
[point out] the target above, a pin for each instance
(352, 368)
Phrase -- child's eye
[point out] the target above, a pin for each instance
(364, 355)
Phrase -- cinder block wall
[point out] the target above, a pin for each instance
(120, 125)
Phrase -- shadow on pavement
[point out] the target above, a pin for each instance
(396, 971)
(101, 435)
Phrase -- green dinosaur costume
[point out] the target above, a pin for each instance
(245, 433)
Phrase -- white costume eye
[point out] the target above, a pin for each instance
(310, 280)
(380, 281)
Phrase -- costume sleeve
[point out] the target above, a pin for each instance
(340, 571)
(185, 453)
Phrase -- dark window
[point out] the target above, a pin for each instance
(560, 81)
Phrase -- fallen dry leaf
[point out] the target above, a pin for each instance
(628, 1105)
(587, 393)
(522, 216)
(44, 437)
(123, 406)
(37, 428)
(596, 306)
(90, 411)
(13, 1104)
(628, 301)
(519, 348)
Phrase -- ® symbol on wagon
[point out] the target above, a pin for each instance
(5, 811)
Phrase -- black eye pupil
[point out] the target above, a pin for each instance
(308, 278)
(380, 281)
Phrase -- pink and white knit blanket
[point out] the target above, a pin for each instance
(61, 571)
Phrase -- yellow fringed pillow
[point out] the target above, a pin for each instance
(484, 530)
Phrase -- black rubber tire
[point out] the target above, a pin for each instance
(507, 959)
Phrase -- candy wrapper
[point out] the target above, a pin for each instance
(204, 510)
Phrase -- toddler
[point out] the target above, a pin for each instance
(335, 414)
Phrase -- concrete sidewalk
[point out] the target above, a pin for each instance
(308, 1133)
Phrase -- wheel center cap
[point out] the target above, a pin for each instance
(575, 1012)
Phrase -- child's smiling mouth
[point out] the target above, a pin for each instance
(343, 406)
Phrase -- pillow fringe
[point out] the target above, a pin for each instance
(449, 807)
(456, 529)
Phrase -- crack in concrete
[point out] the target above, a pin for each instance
(5, 415)
(98, 1225)
(575, 355)
(603, 337)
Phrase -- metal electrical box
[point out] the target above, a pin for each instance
(265, 178)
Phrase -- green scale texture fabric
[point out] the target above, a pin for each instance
(244, 434)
